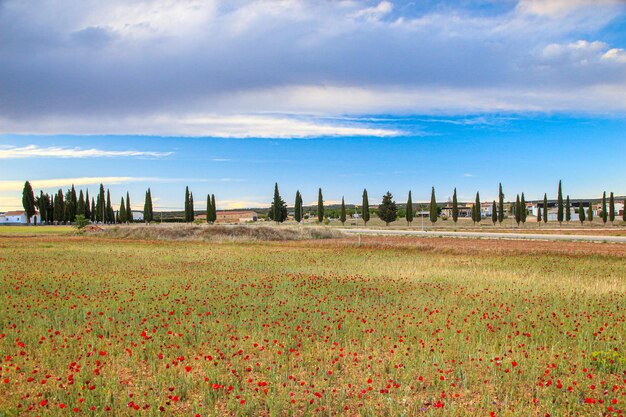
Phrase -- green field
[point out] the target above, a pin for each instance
(115, 327)
(36, 230)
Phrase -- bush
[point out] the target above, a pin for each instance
(81, 221)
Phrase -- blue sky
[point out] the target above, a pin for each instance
(229, 97)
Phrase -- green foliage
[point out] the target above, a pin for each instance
(523, 209)
(187, 210)
(129, 211)
(545, 208)
(298, 213)
(409, 209)
(518, 210)
(28, 201)
(387, 210)
(81, 221)
(80, 207)
(568, 210)
(590, 213)
(278, 210)
(605, 216)
(581, 213)
(365, 210)
(342, 216)
(559, 204)
(494, 212)
(476, 215)
(147, 207)
(455, 207)
(433, 207)
(320, 206)
(500, 204)
(612, 208)
(122, 211)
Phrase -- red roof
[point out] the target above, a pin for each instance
(17, 213)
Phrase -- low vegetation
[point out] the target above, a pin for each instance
(96, 326)
(218, 232)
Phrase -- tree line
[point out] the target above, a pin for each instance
(62, 208)
(388, 210)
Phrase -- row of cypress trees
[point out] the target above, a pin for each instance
(387, 210)
(66, 207)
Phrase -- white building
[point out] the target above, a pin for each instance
(18, 217)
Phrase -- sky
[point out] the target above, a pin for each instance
(229, 97)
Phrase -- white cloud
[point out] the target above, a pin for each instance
(616, 55)
(225, 126)
(559, 8)
(376, 12)
(34, 151)
(66, 182)
(45, 184)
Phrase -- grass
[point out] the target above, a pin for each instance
(123, 327)
(36, 230)
(219, 232)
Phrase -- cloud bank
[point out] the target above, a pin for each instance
(201, 67)
(34, 151)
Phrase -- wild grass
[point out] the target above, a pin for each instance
(218, 232)
(123, 327)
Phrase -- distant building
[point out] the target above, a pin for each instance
(18, 217)
(465, 210)
(245, 216)
(137, 215)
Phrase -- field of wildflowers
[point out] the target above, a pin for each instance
(93, 326)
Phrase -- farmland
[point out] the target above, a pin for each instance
(396, 326)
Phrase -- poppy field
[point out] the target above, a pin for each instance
(93, 326)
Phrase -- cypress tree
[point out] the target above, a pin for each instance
(213, 209)
(87, 206)
(278, 209)
(494, 213)
(409, 209)
(68, 206)
(478, 212)
(523, 209)
(187, 215)
(342, 216)
(612, 208)
(433, 207)
(500, 204)
(559, 204)
(297, 210)
(208, 208)
(590, 213)
(518, 210)
(28, 201)
(320, 206)
(74, 205)
(474, 213)
(59, 207)
(545, 208)
(129, 211)
(365, 210)
(122, 212)
(568, 210)
(147, 207)
(100, 205)
(605, 216)
(110, 216)
(455, 207)
(387, 210)
(80, 206)
(93, 210)
(192, 214)
(624, 210)
(581, 213)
